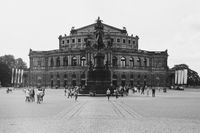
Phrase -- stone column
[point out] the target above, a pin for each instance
(69, 60)
(78, 60)
(61, 60)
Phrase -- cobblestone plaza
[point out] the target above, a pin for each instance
(171, 112)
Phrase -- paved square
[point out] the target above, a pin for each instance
(171, 112)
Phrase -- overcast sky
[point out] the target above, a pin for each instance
(160, 24)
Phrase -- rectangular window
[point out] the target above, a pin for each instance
(112, 40)
(67, 41)
(118, 40)
(73, 40)
(63, 42)
(129, 41)
(124, 41)
(133, 42)
(79, 40)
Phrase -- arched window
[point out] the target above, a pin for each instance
(65, 61)
(51, 63)
(145, 62)
(58, 61)
(123, 61)
(114, 76)
(131, 77)
(65, 75)
(73, 76)
(114, 61)
(74, 61)
(83, 61)
(139, 61)
(131, 62)
(123, 77)
(83, 76)
(58, 76)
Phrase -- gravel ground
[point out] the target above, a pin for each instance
(171, 112)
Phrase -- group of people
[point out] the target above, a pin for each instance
(30, 95)
(71, 91)
(124, 90)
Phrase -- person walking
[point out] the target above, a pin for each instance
(143, 88)
(108, 93)
(153, 92)
(147, 90)
(76, 92)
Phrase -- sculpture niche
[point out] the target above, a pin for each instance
(99, 76)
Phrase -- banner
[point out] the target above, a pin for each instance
(19, 71)
(185, 76)
(22, 71)
(16, 74)
(181, 77)
(12, 80)
(176, 77)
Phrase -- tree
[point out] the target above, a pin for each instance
(19, 63)
(5, 74)
(8, 60)
(12, 62)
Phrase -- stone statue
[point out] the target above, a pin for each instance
(99, 34)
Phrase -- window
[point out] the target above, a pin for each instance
(139, 61)
(51, 76)
(68, 41)
(74, 76)
(114, 61)
(74, 61)
(123, 61)
(73, 40)
(65, 75)
(65, 61)
(58, 61)
(83, 76)
(133, 42)
(112, 39)
(145, 62)
(58, 76)
(79, 40)
(124, 41)
(39, 63)
(131, 77)
(131, 62)
(83, 61)
(63, 42)
(51, 63)
(118, 40)
(129, 41)
(123, 77)
(114, 76)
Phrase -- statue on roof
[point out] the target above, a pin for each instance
(99, 33)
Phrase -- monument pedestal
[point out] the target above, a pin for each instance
(99, 77)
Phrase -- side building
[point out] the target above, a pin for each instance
(69, 64)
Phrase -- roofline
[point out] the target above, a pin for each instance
(102, 23)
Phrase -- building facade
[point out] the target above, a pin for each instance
(69, 64)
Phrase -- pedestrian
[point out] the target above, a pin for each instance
(108, 93)
(27, 94)
(147, 90)
(76, 93)
(65, 91)
(143, 88)
(153, 91)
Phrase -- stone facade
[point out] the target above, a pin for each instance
(69, 64)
